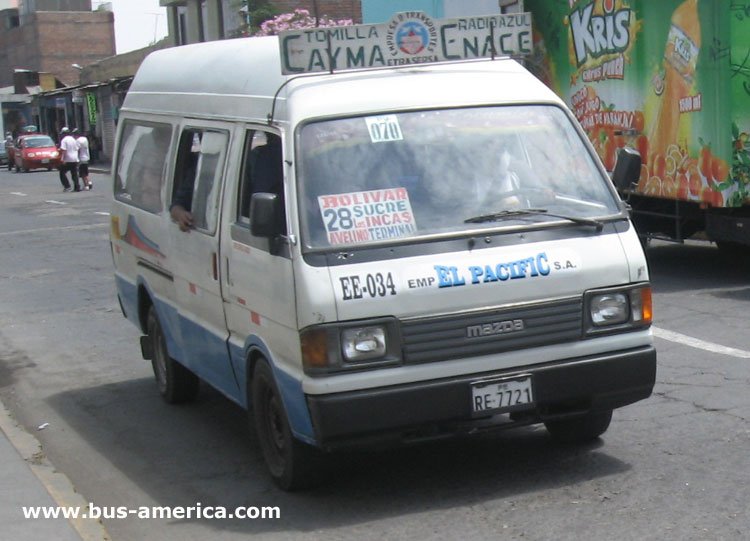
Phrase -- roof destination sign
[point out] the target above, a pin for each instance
(410, 37)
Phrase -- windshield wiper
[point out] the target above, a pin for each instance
(495, 216)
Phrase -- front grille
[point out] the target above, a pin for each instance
(448, 337)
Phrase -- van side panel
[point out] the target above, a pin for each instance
(200, 161)
(258, 282)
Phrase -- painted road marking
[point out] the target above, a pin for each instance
(102, 213)
(47, 229)
(55, 202)
(18, 193)
(699, 344)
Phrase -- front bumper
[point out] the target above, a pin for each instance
(442, 407)
(37, 164)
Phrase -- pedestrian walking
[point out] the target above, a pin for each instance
(84, 157)
(69, 151)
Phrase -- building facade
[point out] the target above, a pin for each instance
(92, 101)
(38, 37)
(193, 21)
(380, 11)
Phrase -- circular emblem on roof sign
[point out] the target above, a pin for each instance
(411, 38)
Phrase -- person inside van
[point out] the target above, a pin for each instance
(182, 197)
(265, 163)
(264, 172)
(503, 182)
(507, 182)
(180, 208)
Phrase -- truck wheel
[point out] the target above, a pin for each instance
(735, 251)
(580, 429)
(175, 382)
(292, 464)
(645, 241)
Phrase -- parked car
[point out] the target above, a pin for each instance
(36, 152)
(3, 154)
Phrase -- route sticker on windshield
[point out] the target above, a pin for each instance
(359, 217)
(384, 128)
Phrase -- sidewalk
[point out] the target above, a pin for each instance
(102, 167)
(28, 479)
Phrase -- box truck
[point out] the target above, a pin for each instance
(672, 80)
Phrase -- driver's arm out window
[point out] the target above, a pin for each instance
(198, 172)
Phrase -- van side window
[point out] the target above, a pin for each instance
(198, 173)
(140, 170)
(262, 171)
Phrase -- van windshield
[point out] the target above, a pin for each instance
(400, 176)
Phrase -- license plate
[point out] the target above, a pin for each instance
(45, 160)
(504, 394)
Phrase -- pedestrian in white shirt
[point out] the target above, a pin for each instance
(83, 159)
(69, 150)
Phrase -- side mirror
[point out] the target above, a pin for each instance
(264, 215)
(627, 169)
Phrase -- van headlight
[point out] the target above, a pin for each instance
(362, 343)
(610, 309)
(618, 309)
(340, 347)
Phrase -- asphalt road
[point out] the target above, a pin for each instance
(674, 466)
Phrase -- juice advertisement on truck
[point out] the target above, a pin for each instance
(669, 78)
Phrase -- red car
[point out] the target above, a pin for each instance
(36, 152)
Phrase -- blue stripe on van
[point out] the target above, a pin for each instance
(290, 388)
(201, 351)
(206, 354)
(128, 295)
(296, 405)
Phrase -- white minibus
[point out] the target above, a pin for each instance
(376, 251)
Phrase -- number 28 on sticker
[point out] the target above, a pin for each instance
(384, 128)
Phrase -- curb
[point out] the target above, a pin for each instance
(55, 482)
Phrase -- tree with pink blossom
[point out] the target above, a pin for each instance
(298, 19)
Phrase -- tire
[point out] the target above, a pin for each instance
(580, 429)
(645, 241)
(176, 383)
(734, 251)
(293, 465)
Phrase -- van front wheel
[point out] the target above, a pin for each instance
(292, 464)
(175, 382)
(581, 428)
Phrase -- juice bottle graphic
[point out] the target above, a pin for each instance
(680, 59)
